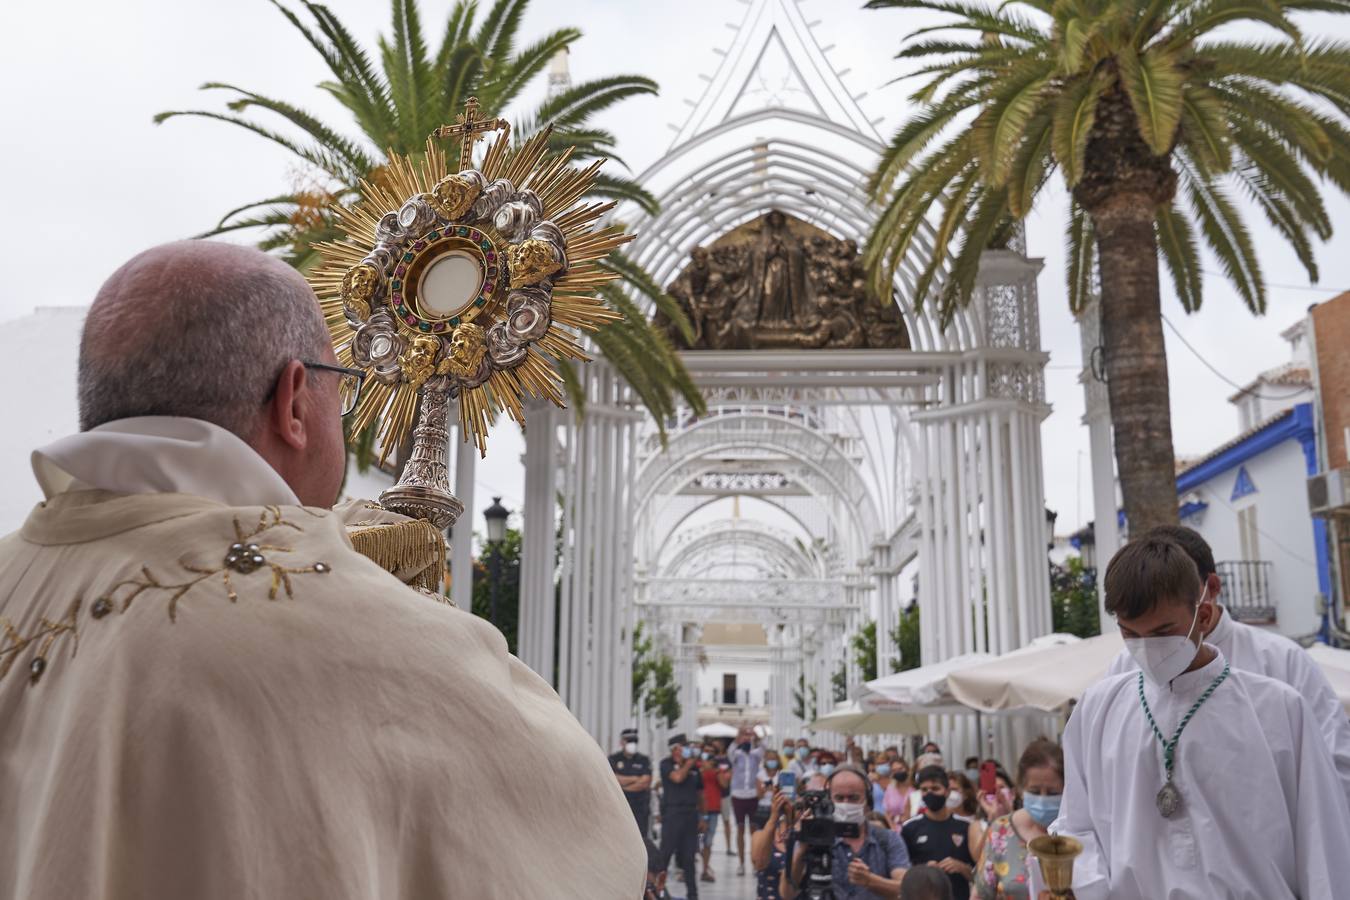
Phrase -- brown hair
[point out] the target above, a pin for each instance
(1040, 752)
(968, 805)
(1196, 547)
(1149, 570)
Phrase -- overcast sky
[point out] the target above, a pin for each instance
(92, 180)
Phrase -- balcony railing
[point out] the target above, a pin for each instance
(1246, 591)
(742, 698)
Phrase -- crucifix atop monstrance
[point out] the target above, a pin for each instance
(471, 129)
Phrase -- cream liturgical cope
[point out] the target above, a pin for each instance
(296, 723)
(1262, 814)
(1274, 655)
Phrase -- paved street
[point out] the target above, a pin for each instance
(729, 885)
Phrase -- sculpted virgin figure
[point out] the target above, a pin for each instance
(778, 281)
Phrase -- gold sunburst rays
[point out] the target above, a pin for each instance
(575, 307)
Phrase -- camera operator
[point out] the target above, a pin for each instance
(863, 861)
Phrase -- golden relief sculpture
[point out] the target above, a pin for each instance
(453, 195)
(419, 360)
(358, 289)
(531, 261)
(780, 283)
(468, 346)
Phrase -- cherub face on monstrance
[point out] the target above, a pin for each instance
(465, 285)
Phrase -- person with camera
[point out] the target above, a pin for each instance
(939, 837)
(769, 845)
(682, 810)
(835, 853)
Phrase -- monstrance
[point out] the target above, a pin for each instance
(467, 286)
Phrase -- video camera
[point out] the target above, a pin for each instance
(819, 828)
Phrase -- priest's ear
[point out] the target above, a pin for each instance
(285, 413)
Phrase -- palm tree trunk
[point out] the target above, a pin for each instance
(1136, 361)
(1123, 186)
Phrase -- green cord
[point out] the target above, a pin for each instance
(1170, 747)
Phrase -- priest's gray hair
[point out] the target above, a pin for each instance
(200, 329)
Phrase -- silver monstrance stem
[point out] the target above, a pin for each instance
(423, 490)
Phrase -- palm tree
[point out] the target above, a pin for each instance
(1157, 117)
(396, 104)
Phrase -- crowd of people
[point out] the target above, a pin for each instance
(911, 816)
(1153, 816)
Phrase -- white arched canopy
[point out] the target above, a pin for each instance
(869, 461)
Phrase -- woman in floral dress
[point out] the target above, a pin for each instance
(1004, 867)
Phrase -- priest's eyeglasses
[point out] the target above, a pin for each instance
(349, 383)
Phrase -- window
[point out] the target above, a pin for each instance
(729, 689)
(1247, 534)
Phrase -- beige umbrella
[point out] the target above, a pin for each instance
(1045, 677)
(847, 718)
(1335, 664)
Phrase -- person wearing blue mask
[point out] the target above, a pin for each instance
(881, 781)
(1003, 869)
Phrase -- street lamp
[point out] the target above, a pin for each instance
(495, 516)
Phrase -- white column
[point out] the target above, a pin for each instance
(1097, 417)
(596, 570)
(539, 522)
(461, 543)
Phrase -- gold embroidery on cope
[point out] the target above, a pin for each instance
(49, 632)
(242, 558)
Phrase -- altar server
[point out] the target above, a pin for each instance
(1261, 651)
(1191, 778)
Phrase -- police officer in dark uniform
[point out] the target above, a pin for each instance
(634, 771)
(681, 811)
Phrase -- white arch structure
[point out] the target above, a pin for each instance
(887, 459)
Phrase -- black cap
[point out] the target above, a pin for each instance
(629, 733)
(676, 739)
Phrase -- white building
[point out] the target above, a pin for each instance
(1248, 498)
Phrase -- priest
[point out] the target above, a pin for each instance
(1192, 778)
(205, 692)
(1261, 651)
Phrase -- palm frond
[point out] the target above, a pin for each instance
(498, 32)
(1082, 258)
(1226, 236)
(356, 158)
(316, 157)
(1153, 82)
(1074, 115)
(572, 107)
(1176, 241)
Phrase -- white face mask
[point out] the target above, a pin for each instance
(630, 748)
(850, 812)
(954, 801)
(1167, 656)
